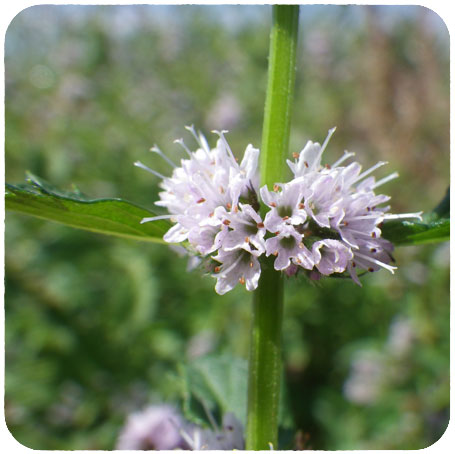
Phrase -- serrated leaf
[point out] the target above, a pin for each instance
(108, 216)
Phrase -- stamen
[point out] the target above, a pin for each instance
(226, 145)
(295, 155)
(154, 172)
(182, 144)
(157, 218)
(370, 170)
(201, 200)
(324, 145)
(242, 280)
(392, 176)
(226, 222)
(343, 158)
(156, 150)
(404, 216)
(377, 262)
(260, 225)
(200, 139)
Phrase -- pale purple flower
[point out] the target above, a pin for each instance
(237, 266)
(286, 207)
(326, 220)
(155, 428)
(245, 230)
(331, 256)
(287, 245)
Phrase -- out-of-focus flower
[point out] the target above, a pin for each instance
(227, 438)
(155, 428)
(161, 427)
(326, 220)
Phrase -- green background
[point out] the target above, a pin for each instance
(95, 326)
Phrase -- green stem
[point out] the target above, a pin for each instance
(265, 349)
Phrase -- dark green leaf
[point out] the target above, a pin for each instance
(108, 216)
(442, 210)
(403, 233)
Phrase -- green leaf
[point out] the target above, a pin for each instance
(108, 216)
(404, 233)
(434, 229)
(215, 385)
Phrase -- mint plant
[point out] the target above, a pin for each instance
(249, 224)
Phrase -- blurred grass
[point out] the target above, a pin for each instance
(95, 326)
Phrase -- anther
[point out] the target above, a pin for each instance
(295, 155)
(373, 235)
(247, 239)
(226, 222)
(301, 206)
(217, 269)
(373, 250)
(236, 209)
(285, 218)
(251, 264)
(242, 280)
(370, 270)
(260, 225)
(228, 206)
(273, 204)
(353, 265)
(275, 253)
(277, 233)
(306, 164)
(201, 200)
(276, 188)
(221, 190)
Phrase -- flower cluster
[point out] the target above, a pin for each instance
(326, 220)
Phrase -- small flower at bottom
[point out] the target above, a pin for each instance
(237, 266)
(287, 245)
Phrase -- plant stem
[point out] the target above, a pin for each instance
(265, 349)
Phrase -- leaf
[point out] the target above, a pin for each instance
(403, 233)
(108, 216)
(215, 385)
(443, 209)
(218, 385)
(436, 227)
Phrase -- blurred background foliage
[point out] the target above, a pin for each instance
(96, 326)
